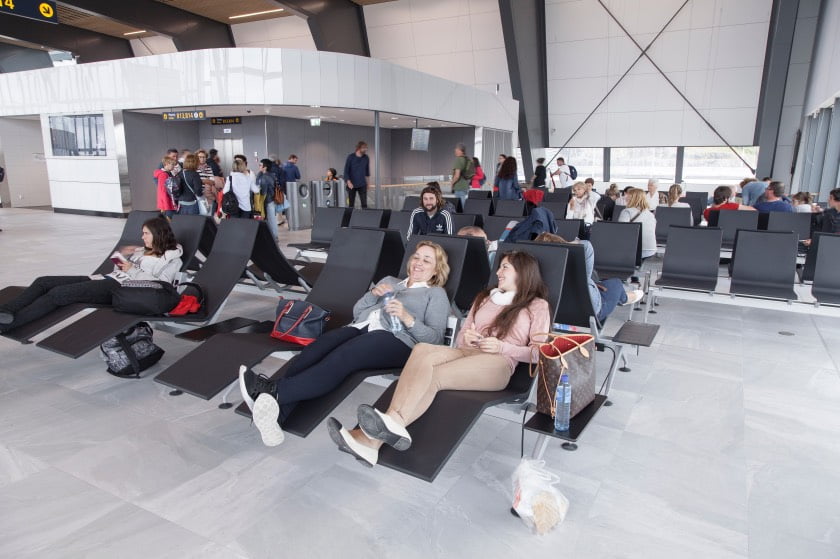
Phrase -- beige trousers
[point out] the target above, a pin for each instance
(432, 368)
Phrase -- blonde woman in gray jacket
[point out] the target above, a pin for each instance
(419, 305)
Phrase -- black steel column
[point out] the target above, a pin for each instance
(336, 25)
(523, 27)
(18, 59)
(606, 164)
(773, 82)
(678, 172)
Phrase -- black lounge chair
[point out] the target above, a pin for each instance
(691, 259)
(195, 234)
(730, 221)
(327, 220)
(826, 287)
(806, 273)
(410, 203)
(697, 202)
(569, 229)
(400, 221)
(456, 203)
(217, 277)
(617, 250)
(494, 225)
(369, 218)
(799, 223)
(309, 414)
(557, 209)
(666, 217)
(483, 206)
(477, 194)
(510, 208)
(441, 429)
(208, 369)
(462, 220)
(188, 233)
(561, 195)
(764, 264)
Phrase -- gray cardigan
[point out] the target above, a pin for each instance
(429, 307)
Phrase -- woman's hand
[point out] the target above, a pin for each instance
(472, 337)
(125, 266)
(490, 345)
(395, 308)
(381, 289)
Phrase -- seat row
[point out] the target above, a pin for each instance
(763, 264)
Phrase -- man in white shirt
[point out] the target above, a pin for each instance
(563, 173)
(652, 195)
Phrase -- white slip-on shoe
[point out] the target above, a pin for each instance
(634, 297)
(265, 413)
(346, 443)
(382, 427)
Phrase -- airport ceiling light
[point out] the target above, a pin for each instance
(254, 14)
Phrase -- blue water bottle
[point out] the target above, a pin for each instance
(563, 404)
(395, 325)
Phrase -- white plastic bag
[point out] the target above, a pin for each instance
(539, 504)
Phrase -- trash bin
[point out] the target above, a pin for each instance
(329, 194)
(299, 214)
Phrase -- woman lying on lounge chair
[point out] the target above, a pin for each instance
(422, 307)
(495, 336)
(158, 259)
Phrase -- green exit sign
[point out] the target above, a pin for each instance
(39, 10)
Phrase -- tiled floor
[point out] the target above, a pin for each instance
(724, 441)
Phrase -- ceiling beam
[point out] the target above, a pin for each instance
(188, 31)
(336, 25)
(86, 45)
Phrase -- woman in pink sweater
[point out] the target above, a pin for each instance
(495, 336)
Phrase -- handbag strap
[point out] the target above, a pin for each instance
(129, 352)
(568, 337)
(186, 182)
(285, 311)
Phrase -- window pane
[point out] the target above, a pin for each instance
(78, 135)
(589, 162)
(635, 164)
(714, 165)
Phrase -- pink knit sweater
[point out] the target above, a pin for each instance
(515, 345)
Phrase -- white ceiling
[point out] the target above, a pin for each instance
(326, 114)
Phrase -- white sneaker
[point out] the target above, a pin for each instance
(265, 414)
(634, 297)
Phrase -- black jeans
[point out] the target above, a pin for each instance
(48, 293)
(334, 356)
(362, 190)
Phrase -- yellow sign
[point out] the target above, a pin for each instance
(185, 115)
(39, 10)
(226, 120)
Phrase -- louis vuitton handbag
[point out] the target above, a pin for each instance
(572, 354)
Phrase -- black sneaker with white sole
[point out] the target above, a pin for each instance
(252, 385)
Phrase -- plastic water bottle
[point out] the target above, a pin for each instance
(563, 403)
(395, 324)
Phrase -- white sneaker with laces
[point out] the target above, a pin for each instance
(634, 297)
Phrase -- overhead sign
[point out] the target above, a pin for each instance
(39, 10)
(225, 120)
(185, 115)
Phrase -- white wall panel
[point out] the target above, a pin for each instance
(157, 44)
(26, 172)
(281, 32)
(459, 40)
(824, 81)
(712, 50)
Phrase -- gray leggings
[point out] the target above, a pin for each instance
(48, 293)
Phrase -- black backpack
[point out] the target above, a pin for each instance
(130, 352)
(572, 172)
(230, 205)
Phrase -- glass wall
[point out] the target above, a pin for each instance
(589, 162)
(78, 135)
(712, 165)
(635, 164)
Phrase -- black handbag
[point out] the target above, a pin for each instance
(145, 297)
(129, 353)
(299, 322)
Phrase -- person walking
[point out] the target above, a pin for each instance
(356, 175)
